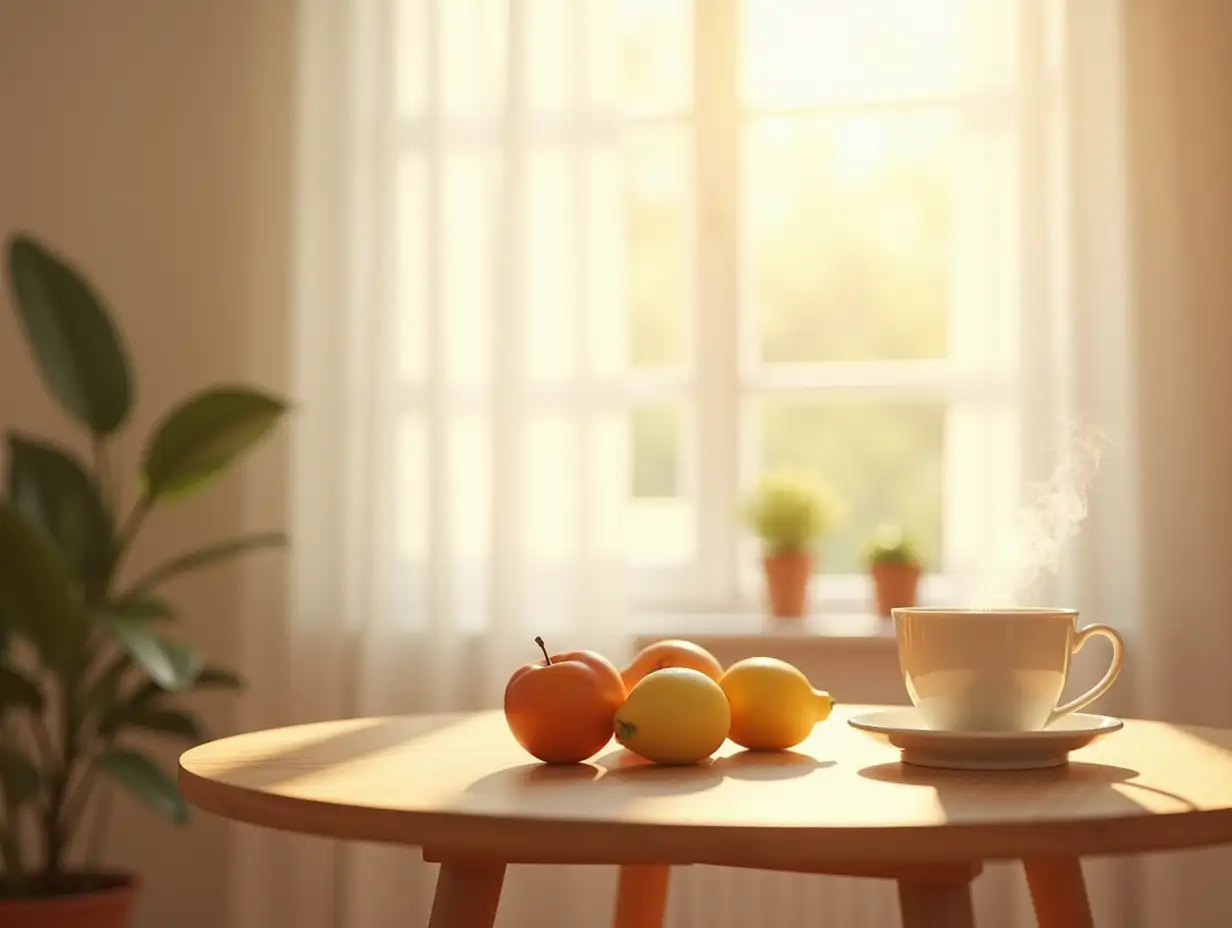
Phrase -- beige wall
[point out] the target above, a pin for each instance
(149, 141)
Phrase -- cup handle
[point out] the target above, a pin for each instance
(1118, 652)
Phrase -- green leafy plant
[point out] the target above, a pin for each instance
(87, 661)
(891, 545)
(789, 510)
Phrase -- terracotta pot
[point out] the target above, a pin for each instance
(88, 900)
(787, 579)
(895, 586)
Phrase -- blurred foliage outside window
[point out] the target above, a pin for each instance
(846, 252)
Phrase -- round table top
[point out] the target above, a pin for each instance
(460, 784)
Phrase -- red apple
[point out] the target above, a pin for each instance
(561, 709)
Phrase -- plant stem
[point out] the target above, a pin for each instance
(42, 738)
(94, 847)
(10, 853)
(102, 473)
(76, 804)
(128, 532)
(54, 832)
(10, 833)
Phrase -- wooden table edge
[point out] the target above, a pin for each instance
(752, 846)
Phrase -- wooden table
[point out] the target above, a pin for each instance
(459, 787)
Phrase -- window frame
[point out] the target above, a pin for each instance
(720, 441)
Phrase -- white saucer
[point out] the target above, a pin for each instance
(979, 750)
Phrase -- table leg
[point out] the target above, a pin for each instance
(936, 905)
(467, 895)
(641, 897)
(1058, 892)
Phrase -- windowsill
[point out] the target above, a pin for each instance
(737, 630)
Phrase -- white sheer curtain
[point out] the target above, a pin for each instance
(1139, 347)
(1180, 121)
(460, 452)
(463, 344)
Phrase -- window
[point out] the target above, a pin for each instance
(823, 239)
(747, 233)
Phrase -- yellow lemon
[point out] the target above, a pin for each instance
(674, 716)
(773, 705)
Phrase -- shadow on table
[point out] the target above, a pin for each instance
(911, 775)
(623, 772)
(1075, 790)
(1192, 748)
(769, 765)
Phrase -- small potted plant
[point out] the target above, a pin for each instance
(789, 511)
(87, 658)
(894, 564)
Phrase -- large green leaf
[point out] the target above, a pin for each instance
(79, 352)
(203, 557)
(143, 608)
(146, 781)
(170, 664)
(202, 437)
(51, 488)
(209, 678)
(103, 695)
(35, 590)
(19, 778)
(156, 719)
(18, 690)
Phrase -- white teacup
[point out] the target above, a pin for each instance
(994, 669)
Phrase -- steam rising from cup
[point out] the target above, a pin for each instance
(1049, 520)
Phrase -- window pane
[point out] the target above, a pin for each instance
(469, 200)
(550, 475)
(801, 52)
(605, 270)
(656, 452)
(411, 267)
(411, 18)
(884, 461)
(472, 38)
(655, 55)
(849, 226)
(411, 488)
(550, 246)
(660, 517)
(550, 43)
(656, 231)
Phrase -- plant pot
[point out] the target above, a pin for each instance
(87, 900)
(895, 586)
(787, 580)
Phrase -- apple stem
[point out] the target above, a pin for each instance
(547, 661)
